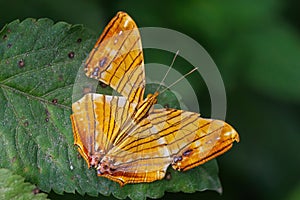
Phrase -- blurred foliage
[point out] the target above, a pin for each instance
(12, 186)
(256, 45)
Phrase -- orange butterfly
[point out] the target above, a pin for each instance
(123, 137)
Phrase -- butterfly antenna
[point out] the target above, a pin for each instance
(179, 80)
(177, 52)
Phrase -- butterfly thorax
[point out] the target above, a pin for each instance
(143, 109)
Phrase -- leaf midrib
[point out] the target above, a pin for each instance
(40, 99)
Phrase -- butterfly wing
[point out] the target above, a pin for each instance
(168, 136)
(133, 150)
(97, 121)
(117, 58)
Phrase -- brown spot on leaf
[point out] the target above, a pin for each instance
(71, 54)
(168, 176)
(26, 123)
(79, 40)
(36, 190)
(4, 37)
(21, 63)
(103, 85)
(54, 101)
(47, 112)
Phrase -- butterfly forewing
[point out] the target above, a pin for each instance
(117, 58)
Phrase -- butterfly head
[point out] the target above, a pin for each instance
(143, 109)
(152, 98)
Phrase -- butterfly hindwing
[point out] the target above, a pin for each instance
(97, 122)
(169, 136)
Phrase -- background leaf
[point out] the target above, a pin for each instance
(39, 64)
(255, 45)
(13, 187)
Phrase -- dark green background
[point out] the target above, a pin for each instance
(256, 45)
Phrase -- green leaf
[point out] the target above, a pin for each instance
(13, 187)
(39, 63)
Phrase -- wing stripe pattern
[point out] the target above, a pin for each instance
(117, 59)
(161, 133)
(218, 130)
(213, 155)
(107, 30)
(124, 138)
(137, 81)
(113, 75)
(103, 36)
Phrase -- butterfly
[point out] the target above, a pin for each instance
(124, 137)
